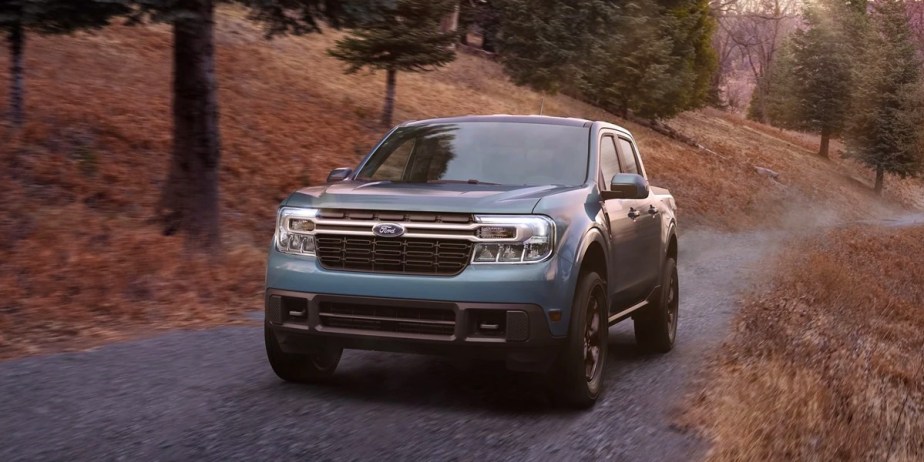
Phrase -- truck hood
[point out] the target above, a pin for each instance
(420, 197)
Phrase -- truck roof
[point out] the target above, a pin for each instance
(507, 118)
(532, 119)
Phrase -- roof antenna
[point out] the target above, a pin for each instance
(541, 104)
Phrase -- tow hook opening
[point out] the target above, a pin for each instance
(489, 323)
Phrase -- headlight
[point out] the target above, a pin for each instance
(520, 239)
(294, 231)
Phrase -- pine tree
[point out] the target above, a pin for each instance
(772, 99)
(545, 44)
(780, 105)
(652, 58)
(821, 76)
(17, 17)
(888, 111)
(690, 24)
(659, 63)
(403, 36)
(634, 72)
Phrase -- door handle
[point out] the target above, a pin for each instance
(633, 214)
(652, 210)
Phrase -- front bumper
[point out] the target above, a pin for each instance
(548, 285)
(516, 333)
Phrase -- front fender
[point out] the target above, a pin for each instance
(591, 236)
(572, 274)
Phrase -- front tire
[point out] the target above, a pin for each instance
(656, 325)
(301, 368)
(581, 366)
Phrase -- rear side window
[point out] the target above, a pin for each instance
(627, 157)
(609, 163)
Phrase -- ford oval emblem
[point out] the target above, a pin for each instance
(388, 230)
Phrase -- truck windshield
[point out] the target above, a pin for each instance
(504, 153)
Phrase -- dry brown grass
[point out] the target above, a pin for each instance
(829, 188)
(79, 252)
(795, 153)
(79, 262)
(826, 362)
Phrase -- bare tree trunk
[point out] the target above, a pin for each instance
(189, 203)
(389, 109)
(825, 141)
(17, 41)
(880, 178)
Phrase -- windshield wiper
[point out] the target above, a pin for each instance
(469, 181)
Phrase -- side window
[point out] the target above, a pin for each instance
(627, 156)
(393, 167)
(609, 162)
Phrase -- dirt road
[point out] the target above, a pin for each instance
(210, 395)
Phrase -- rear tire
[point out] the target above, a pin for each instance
(656, 325)
(580, 369)
(301, 368)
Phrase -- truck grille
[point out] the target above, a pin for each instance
(444, 257)
(395, 217)
(427, 321)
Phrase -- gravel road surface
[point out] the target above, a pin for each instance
(210, 395)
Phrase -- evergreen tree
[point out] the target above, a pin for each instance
(650, 57)
(403, 35)
(821, 76)
(17, 17)
(544, 44)
(633, 71)
(780, 105)
(690, 24)
(884, 131)
(760, 95)
(772, 101)
(660, 61)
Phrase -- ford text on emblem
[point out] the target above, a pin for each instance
(388, 230)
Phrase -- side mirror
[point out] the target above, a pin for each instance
(626, 186)
(339, 174)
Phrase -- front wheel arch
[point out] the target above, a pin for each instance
(672, 248)
(591, 257)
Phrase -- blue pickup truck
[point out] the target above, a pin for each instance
(512, 238)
